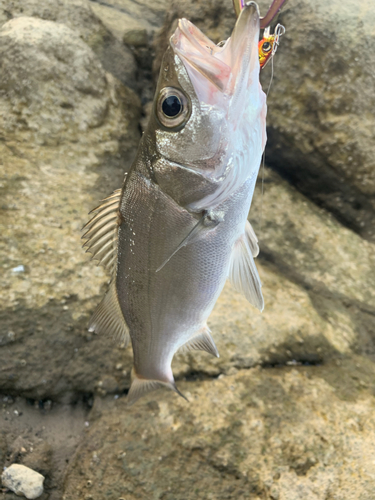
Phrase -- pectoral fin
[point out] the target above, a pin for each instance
(202, 341)
(101, 241)
(207, 222)
(243, 273)
(101, 231)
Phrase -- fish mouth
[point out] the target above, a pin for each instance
(218, 71)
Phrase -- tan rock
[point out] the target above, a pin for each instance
(78, 15)
(305, 433)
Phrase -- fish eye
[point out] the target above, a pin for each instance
(266, 47)
(172, 107)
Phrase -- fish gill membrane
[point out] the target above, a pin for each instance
(178, 228)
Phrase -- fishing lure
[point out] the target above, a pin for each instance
(268, 45)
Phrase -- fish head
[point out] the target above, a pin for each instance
(209, 110)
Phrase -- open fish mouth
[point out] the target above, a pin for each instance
(220, 71)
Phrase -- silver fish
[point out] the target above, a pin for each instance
(178, 227)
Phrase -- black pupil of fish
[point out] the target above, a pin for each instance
(171, 106)
(266, 46)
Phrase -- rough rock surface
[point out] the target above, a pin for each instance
(320, 127)
(320, 107)
(77, 15)
(51, 83)
(280, 434)
(121, 16)
(23, 481)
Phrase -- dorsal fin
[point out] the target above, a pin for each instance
(243, 273)
(108, 318)
(201, 341)
(101, 231)
(101, 240)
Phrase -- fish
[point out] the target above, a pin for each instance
(178, 229)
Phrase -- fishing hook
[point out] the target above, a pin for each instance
(266, 20)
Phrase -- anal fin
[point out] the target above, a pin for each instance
(243, 273)
(108, 318)
(141, 386)
(202, 341)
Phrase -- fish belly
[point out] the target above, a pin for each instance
(164, 309)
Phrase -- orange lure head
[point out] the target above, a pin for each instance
(268, 44)
(265, 49)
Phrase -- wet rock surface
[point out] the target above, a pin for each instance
(286, 412)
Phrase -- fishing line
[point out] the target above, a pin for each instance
(279, 31)
(264, 159)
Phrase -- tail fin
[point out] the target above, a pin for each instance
(141, 386)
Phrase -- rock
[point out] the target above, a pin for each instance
(23, 481)
(320, 136)
(282, 433)
(77, 15)
(135, 38)
(120, 16)
(51, 84)
(69, 131)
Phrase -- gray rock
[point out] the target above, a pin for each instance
(51, 83)
(77, 15)
(321, 134)
(23, 481)
(123, 15)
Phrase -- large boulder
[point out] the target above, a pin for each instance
(51, 84)
(320, 124)
(78, 15)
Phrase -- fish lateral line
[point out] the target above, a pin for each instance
(209, 220)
